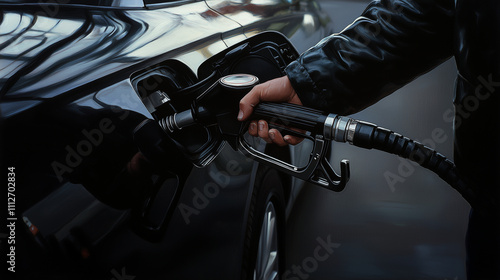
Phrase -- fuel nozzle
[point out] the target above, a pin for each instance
(218, 106)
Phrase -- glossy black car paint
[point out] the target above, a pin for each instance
(68, 114)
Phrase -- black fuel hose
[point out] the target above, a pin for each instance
(370, 136)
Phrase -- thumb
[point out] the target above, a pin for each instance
(247, 103)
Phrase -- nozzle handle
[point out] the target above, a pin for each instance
(291, 115)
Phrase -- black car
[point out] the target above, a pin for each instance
(95, 190)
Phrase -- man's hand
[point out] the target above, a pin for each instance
(277, 90)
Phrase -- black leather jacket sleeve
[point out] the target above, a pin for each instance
(389, 45)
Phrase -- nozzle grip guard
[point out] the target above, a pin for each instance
(317, 171)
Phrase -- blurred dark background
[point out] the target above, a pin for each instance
(412, 228)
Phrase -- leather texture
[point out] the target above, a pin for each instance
(389, 45)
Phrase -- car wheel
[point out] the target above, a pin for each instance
(264, 255)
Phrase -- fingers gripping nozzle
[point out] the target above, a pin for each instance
(321, 128)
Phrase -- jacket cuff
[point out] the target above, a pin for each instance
(302, 83)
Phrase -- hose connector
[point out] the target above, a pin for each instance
(339, 128)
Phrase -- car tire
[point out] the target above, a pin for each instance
(264, 252)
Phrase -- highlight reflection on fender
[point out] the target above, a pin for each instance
(85, 48)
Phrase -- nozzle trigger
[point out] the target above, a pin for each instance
(317, 171)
